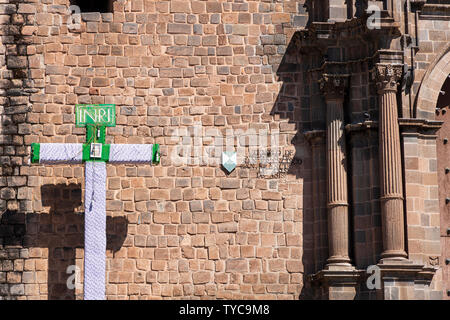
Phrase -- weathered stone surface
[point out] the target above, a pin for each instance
(227, 227)
(130, 28)
(192, 76)
(229, 183)
(201, 277)
(236, 265)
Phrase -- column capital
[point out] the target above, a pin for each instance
(315, 137)
(387, 76)
(334, 86)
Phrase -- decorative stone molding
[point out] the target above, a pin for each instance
(361, 126)
(337, 284)
(387, 77)
(334, 86)
(408, 126)
(407, 272)
(431, 11)
(419, 127)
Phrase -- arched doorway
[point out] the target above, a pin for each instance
(443, 167)
(444, 95)
(431, 86)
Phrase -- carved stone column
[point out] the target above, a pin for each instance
(333, 88)
(338, 280)
(387, 77)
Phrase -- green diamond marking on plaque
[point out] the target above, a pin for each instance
(95, 114)
(229, 160)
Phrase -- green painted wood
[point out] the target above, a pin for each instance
(95, 134)
(156, 157)
(35, 149)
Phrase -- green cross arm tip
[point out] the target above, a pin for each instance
(156, 157)
(35, 147)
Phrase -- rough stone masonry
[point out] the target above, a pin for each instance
(189, 230)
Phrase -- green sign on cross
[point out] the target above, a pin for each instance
(95, 114)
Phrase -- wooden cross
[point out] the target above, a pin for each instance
(94, 153)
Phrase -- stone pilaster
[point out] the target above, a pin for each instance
(387, 77)
(316, 139)
(333, 88)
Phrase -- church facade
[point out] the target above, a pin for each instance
(337, 112)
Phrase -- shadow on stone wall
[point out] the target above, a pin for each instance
(61, 231)
(293, 104)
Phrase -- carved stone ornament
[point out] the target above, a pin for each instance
(434, 261)
(333, 86)
(387, 76)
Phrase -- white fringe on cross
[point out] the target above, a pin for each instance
(131, 153)
(53, 153)
(95, 231)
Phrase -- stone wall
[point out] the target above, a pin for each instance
(16, 88)
(190, 75)
(421, 171)
(432, 35)
(174, 230)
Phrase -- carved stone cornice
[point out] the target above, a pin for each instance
(321, 34)
(337, 277)
(387, 76)
(435, 11)
(406, 270)
(334, 86)
(409, 126)
(361, 126)
(419, 127)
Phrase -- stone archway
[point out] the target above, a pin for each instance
(443, 165)
(431, 84)
(432, 105)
